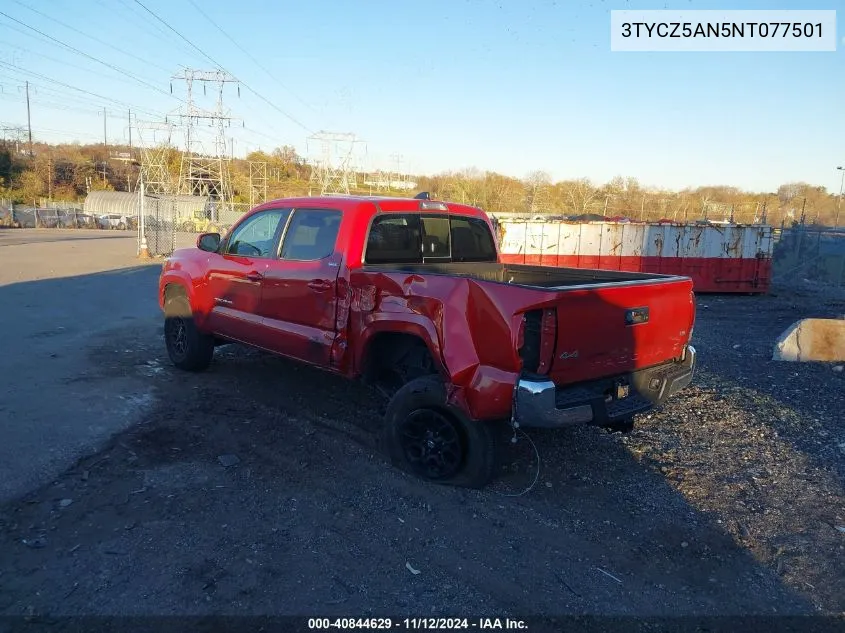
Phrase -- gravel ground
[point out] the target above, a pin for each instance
(255, 488)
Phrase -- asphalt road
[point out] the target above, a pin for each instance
(60, 291)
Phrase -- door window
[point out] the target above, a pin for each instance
(257, 235)
(311, 235)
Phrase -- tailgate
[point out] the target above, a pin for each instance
(616, 328)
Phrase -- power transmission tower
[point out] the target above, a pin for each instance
(205, 162)
(257, 182)
(14, 134)
(154, 143)
(399, 178)
(332, 168)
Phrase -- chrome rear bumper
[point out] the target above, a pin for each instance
(540, 403)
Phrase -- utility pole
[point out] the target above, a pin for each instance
(130, 132)
(49, 178)
(105, 140)
(28, 119)
(839, 200)
(143, 248)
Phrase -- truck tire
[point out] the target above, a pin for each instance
(188, 348)
(425, 436)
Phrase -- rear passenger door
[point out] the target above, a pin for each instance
(299, 300)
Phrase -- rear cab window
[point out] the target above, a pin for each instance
(417, 238)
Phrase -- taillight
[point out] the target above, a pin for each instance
(528, 340)
(548, 334)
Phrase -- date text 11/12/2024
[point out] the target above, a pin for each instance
(417, 624)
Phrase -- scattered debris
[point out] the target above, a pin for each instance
(839, 368)
(64, 503)
(841, 528)
(411, 569)
(609, 575)
(36, 543)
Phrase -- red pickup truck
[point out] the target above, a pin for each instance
(409, 296)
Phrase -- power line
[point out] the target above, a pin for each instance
(99, 73)
(25, 71)
(189, 42)
(91, 37)
(64, 107)
(84, 54)
(213, 61)
(139, 20)
(251, 57)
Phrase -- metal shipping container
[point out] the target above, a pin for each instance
(718, 257)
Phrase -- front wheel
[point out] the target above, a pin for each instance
(426, 436)
(188, 348)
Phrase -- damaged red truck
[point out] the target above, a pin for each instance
(409, 295)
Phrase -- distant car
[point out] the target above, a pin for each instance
(113, 221)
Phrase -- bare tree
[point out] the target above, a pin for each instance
(537, 186)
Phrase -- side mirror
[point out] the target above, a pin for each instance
(208, 242)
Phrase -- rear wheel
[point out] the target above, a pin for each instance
(188, 348)
(427, 437)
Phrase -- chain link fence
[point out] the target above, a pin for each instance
(66, 218)
(169, 226)
(811, 254)
(160, 220)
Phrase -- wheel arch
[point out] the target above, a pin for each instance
(381, 345)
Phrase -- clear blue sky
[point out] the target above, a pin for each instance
(505, 85)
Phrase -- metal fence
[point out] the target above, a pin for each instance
(160, 219)
(168, 228)
(68, 218)
(813, 254)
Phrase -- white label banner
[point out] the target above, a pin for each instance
(722, 31)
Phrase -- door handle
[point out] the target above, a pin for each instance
(254, 276)
(319, 285)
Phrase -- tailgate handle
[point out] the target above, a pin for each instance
(636, 315)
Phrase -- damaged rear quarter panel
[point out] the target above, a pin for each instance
(469, 327)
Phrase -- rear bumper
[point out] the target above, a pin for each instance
(540, 403)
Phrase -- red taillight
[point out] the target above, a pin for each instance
(548, 332)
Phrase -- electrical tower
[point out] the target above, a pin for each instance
(257, 182)
(205, 162)
(154, 142)
(332, 169)
(14, 134)
(395, 178)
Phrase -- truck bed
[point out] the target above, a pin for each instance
(544, 277)
(603, 322)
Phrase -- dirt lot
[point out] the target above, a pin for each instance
(728, 501)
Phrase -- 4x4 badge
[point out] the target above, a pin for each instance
(568, 355)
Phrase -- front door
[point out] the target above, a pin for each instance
(299, 299)
(236, 275)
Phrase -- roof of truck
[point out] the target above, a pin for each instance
(384, 203)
